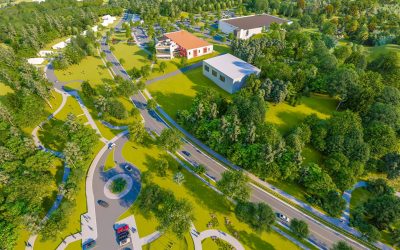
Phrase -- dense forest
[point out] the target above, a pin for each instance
(294, 64)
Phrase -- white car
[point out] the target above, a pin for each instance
(125, 241)
(283, 217)
(111, 145)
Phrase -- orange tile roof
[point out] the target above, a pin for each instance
(186, 39)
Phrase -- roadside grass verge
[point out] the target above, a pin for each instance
(109, 164)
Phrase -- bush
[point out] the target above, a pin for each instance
(118, 185)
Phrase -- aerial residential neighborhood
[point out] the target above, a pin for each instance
(199, 124)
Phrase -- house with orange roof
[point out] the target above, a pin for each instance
(182, 43)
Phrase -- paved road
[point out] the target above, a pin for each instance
(323, 234)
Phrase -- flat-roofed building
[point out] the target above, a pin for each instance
(246, 26)
(188, 45)
(228, 71)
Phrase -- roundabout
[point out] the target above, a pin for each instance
(108, 186)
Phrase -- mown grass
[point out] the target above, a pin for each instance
(286, 117)
(90, 69)
(204, 202)
(4, 89)
(358, 197)
(178, 92)
(109, 164)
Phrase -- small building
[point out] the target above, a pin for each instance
(59, 45)
(36, 61)
(166, 49)
(228, 71)
(107, 19)
(246, 26)
(186, 44)
(44, 53)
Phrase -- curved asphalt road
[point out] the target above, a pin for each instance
(323, 234)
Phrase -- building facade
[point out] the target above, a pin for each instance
(247, 26)
(228, 72)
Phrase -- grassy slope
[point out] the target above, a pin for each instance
(177, 92)
(204, 202)
(90, 68)
(109, 164)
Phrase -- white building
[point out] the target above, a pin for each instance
(166, 49)
(246, 26)
(59, 45)
(44, 53)
(107, 19)
(228, 71)
(36, 61)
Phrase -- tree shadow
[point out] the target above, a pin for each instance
(51, 135)
(48, 201)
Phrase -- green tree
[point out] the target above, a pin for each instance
(137, 132)
(234, 184)
(162, 167)
(299, 228)
(151, 104)
(176, 215)
(258, 215)
(162, 66)
(170, 140)
(383, 210)
(179, 178)
(341, 245)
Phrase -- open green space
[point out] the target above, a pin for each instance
(209, 244)
(286, 116)
(394, 183)
(205, 202)
(77, 245)
(178, 92)
(109, 164)
(90, 68)
(4, 89)
(358, 197)
(132, 55)
(374, 52)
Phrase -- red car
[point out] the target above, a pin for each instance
(122, 229)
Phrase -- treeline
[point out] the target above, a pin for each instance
(293, 64)
(27, 27)
(369, 22)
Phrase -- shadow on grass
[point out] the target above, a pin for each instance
(49, 201)
(51, 135)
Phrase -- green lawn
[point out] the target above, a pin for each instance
(358, 197)
(4, 89)
(395, 183)
(286, 116)
(109, 164)
(132, 54)
(177, 92)
(77, 245)
(90, 68)
(204, 201)
(374, 52)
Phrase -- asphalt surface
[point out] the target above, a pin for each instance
(322, 234)
(107, 216)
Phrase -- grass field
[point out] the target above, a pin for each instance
(4, 89)
(204, 202)
(90, 68)
(358, 197)
(177, 92)
(109, 164)
(77, 245)
(395, 183)
(286, 116)
(132, 54)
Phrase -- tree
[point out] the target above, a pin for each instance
(87, 89)
(333, 203)
(179, 178)
(392, 165)
(162, 167)
(383, 210)
(374, 134)
(151, 104)
(299, 228)
(162, 66)
(234, 184)
(117, 109)
(145, 71)
(341, 245)
(200, 170)
(170, 140)
(258, 215)
(176, 215)
(109, 64)
(379, 187)
(137, 132)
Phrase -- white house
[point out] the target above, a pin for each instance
(107, 19)
(228, 71)
(44, 53)
(36, 61)
(166, 49)
(59, 45)
(188, 45)
(246, 26)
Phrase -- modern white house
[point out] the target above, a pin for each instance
(246, 26)
(182, 43)
(107, 19)
(228, 71)
(36, 61)
(44, 53)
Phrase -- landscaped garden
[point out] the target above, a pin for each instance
(209, 208)
(118, 185)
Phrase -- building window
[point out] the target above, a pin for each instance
(190, 53)
(247, 33)
(222, 78)
(199, 51)
(207, 68)
(214, 73)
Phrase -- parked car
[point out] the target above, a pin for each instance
(124, 241)
(89, 245)
(283, 217)
(111, 145)
(186, 153)
(123, 235)
(102, 203)
(128, 168)
(122, 229)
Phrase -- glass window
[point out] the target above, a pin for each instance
(222, 78)
(207, 68)
(214, 73)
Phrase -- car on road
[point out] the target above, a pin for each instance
(128, 168)
(186, 153)
(102, 203)
(89, 245)
(283, 217)
(111, 145)
(124, 241)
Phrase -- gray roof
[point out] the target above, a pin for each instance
(256, 21)
(232, 66)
